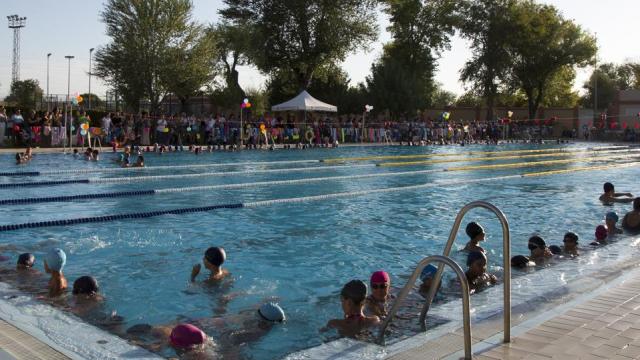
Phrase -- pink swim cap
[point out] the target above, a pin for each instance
(186, 335)
(379, 277)
(601, 232)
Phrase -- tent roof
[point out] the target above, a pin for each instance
(304, 101)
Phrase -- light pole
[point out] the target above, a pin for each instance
(48, 100)
(90, 52)
(595, 85)
(68, 106)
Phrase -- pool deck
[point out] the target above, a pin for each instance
(605, 326)
(15, 344)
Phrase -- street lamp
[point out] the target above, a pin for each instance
(90, 52)
(68, 107)
(48, 99)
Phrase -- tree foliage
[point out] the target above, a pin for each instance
(302, 36)
(611, 79)
(145, 38)
(233, 49)
(25, 93)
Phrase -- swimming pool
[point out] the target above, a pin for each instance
(300, 254)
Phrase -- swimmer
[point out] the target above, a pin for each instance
(377, 303)
(521, 262)
(539, 250)
(28, 154)
(53, 264)
(86, 288)
(25, 262)
(601, 236)
(476, 234)
(570, 241)
(139, 162)
(20, 159)
(611, 196)
(426, 276)
(75, 153)
(611, 219)
(631, 221)
(95, 155)
(352, 298)
(213, 259)
(477, 274)
(555, 249)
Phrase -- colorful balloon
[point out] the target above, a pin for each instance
(245, 101)
(83, 132)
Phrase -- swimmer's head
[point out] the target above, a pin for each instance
(185, 336)
(608, 187)
(271, 312)
(570, 237)
(355, 291)
(536, 242)
(56, 258)
(601, 232)
(379, 277)
(428, 272)
(521, 261)
(555, 249)
(612, 216)
(85, 285)
(26, 261)
(473, 230)
(215, 256)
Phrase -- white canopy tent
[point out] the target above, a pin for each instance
(304, 102)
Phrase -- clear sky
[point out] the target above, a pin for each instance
(72, 27)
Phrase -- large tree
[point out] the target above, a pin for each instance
(144, 37)
(233, 49)
(303, 36)
(543, 45)
(25, 93)
(486, 24)
(611, 78)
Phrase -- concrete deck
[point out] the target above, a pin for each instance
(15, 344)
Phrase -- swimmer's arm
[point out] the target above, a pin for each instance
(46, 268)
(624, 194)
(195, 271)
(493, 279)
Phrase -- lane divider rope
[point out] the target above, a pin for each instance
(148, 214)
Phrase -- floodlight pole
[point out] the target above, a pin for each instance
(68, 106)
(90, 53)
(48, 100)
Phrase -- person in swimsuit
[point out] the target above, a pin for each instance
(352, 298)
(377, 303)
(53, 264)
(610, 195)
(570, 241)
(477, 274)
(601, 236)
(631, 221)
(476, 234)
(539, 251)
(611, 219)
(213, 259)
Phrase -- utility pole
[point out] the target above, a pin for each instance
(90, 52)
(595, 85)
(48, 100)
(16, 23)
(68, 107)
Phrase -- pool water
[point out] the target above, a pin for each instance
(300, 254)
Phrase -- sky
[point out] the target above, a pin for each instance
(72, 27)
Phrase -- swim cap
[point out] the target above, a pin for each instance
(571, 235)
(380, 277)
(520, 261)
(85, 285)
(428, 272)
(608, 187)
(474, 229)
(56, 258)
(186, 336)
(611, 215)
(555, 249)
(26, 259)
(215, 256)
(475, 256)
(537, 240)
(271, 312)
(354, 290)
(601, 232)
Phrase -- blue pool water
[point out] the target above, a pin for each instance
(297, 254)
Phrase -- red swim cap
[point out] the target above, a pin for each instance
(186, 335)
(601, 232)
(380, 277)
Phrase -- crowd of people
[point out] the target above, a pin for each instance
(362, 310)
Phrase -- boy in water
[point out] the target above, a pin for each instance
(611, 196)
(354, 322)
(25, 262)
(476, 234)
(477, 274)
(570, 241)
(139, 161)
(426, 276)
(601, 236)
(213, 259)
(378, 301)
(611, 219)
(53, 264)
(539, 250)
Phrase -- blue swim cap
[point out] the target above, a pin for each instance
(271, 312)
(428, 272)
(56, 258)
(611, 215)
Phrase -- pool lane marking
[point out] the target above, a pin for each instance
(21, 201)
(242, 172)
(420, 156)
(148, 214)
(511, 157)
(283, 162)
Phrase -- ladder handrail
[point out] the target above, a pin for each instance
(443, 260)
(506, 243)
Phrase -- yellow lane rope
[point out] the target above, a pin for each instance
(539, 163)
(600, 167)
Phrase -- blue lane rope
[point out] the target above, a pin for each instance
(21, 173)
(442, 183)
(76, 197)
(44, 183)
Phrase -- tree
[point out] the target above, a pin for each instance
(302, 36)
(96, 102)
(144, 36)
(441, 98)
(611, 79)
(541, 30)
(233, 47)
(559, 92)
(487, 25)
(25, 93)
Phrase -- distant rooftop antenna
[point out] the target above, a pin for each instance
(16, 23)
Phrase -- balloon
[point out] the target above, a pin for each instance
(79, 98)
(245, 101)
(95, 131)
(189, 129)
(248, 105)
(83, 132)
(262, 127)
(509, 114)
(74, 101)
(243, 105)
(73, 128)
(85, 126)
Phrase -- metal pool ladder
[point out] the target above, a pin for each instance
(445, 259)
